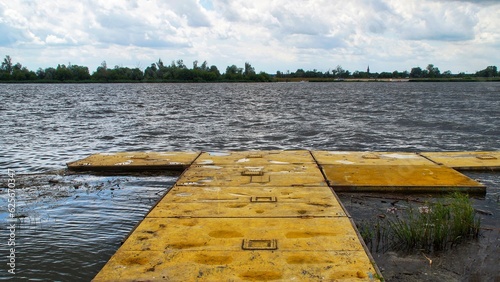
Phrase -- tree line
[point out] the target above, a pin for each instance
(430, 72)
(177, 71)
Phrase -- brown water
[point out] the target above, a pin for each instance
(69, 225)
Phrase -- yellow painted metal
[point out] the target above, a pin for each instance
(245, 216)
(238, 266)
(466, 160)
(257, 209)
(254, 158)
(228, 234)
(255, 202)
(194, 194)
(419, 178)
(127, 161)
(369, 158)
(391, 171)
(253, 176)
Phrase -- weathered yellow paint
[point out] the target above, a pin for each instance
(238, 266)
(284, 175)
(253, 158)
(227, 234)
(247, 209)
(268, 215)
(127, 161)
(466, 160)
(391, 171)
(420, 178)
(195, 194)
(251, 217)
(369, 158)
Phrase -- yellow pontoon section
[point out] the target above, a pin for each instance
(245, 217)
(466, 160)
(392, 172)
(135, 161)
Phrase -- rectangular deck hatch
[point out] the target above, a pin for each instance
(254, 156)
(251, 244)
(263, 199)
(252, 173)
(486, 157)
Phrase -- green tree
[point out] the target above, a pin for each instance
(490, 71)
(7, 65)
(433, 71)
(249, 70)
(416, 72)
(101, 73)
(234, 73)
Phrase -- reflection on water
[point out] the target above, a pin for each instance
(70, 225)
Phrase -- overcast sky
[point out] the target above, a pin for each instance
(387, 35)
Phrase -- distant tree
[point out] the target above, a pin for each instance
(204, 66)
(79, 72)
(360, 74)
(490, 71)
(234, 73)
(180, 64)
(299, 73)
(416, 72)
(101, 73)
(159, 64)
(20, 73)
(150, 72)
(50, 74)
(7, 65)
(249, 70)
(385, 75)
(339, 72)
(214, 69)
(447, 74)
(433, 71)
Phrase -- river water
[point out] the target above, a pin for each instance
(69, 226)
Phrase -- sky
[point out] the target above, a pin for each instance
(272, 35)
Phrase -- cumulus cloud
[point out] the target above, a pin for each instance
(270, 34)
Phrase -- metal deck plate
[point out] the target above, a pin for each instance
(466, 160)
(252, 158)
(369, 158)
(432, 178)
(263, 265)
(126, 161)
(227, 234)
(248, 176)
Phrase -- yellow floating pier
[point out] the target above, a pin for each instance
(245, 216)
(135, 161)
(466, 160)
(268, 215)
(391, 172)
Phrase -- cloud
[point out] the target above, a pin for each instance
(435, 21)
(320, 34)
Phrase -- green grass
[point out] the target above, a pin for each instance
(431, 227)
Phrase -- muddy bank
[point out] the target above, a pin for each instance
(471, 260)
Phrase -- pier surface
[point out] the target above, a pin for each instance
(266, 215)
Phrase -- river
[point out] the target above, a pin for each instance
(69, 225)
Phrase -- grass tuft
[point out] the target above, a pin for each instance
(432, 227)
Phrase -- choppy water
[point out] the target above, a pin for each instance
(71, 232)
